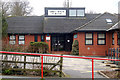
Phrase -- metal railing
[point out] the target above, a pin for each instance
(5, 52)
(114, 53)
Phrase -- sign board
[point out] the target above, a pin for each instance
(57, 12)
(47, 38)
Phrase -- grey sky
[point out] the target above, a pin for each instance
(98, 6)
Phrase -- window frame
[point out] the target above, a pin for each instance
(109, 21)
(79, 15)
(101, 38)
(76, 11)
(113, 38)
(21, 39)
(12, 39)
(88, 38)
(118, 39)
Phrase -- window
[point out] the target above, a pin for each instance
(42, 38)
(89, 39)
(36, 38)
(101, 39)
(118, 38)
(109, 21)
(21, 39)
(72, 12)
(76, 12)
(112, 38)
(12, 39)
(80, 12)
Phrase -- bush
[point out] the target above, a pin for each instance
(7, 72)
(75, 48)
(40, 47)
(14, 48)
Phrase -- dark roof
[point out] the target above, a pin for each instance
(40, 24)
(99, 23)
(27, 24)
(65, 25)
(115, 27)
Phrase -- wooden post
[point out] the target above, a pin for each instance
(61, 63)
(24, 65)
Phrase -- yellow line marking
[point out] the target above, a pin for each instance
(91, 71)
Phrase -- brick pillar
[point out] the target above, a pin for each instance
(16, 39)
(48, 42)
(115, 40)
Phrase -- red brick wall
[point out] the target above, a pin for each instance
(115, 40)
(60, 52)
(92, 50)
(28, 39)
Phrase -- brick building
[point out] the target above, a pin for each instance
(59, 27)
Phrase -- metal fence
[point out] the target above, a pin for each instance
(90, 58)
(114, 53)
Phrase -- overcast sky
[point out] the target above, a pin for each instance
(98, 6)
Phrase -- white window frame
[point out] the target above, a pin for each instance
(80, 12)
(88, 38)
(12, 39)
(21, 39)
(70, 12)
(101, 40)
(109, 21)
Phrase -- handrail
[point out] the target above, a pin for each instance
(21, 53)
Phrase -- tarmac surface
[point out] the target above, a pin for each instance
(82, 68)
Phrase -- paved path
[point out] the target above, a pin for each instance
(81, 68)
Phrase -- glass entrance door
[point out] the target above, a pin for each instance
(61, 42)
(58, 43)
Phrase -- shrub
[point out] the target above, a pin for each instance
(40, 47)
(14, 48)
(7, 72)
(75, 48)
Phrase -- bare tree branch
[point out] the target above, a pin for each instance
(21, 8)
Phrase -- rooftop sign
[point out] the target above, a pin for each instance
(57, 12)
(64, 12)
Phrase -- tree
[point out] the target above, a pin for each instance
(5, 6)
(18, 8)
(75, 48)
(21, 8)
(4, 26)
